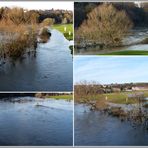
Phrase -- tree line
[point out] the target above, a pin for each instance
(19, 15)
(138, 15)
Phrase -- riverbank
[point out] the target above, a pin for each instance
(136, 43)
(95, 128)
(129, 106)
(11, 96)
(66, 29)
(128, 52)
(115, 97)
(47, 72)
(16, 40)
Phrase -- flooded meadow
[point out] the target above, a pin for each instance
(35, 122)
(94, 128)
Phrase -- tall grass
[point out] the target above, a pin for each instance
(15, 39)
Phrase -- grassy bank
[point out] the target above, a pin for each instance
(65, 97)
(122, 97)
(69, 29)
(118, 97)
(19, 39)
(128, 52)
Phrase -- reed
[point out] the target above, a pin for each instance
(17, 39)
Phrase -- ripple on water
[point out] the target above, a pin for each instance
(50, 70)
(26, 124)
(97, 129)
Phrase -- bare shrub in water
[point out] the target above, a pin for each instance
(44, 35)
(105, 25)
(86, 91)
(18, 30)
(16, 39)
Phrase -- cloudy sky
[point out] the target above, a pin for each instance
(106, 70)
(39, 5)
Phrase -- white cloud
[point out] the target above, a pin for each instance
(111, 70)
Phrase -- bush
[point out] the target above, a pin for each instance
(17, 39)
(44, 35)
(48, 22)
(144, 41)
(86, 91)
(16, 48)
(105, 25)
(15, 15)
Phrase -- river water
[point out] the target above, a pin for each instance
(50, 68)
(136, 35)
(93, 128)
(33, 121)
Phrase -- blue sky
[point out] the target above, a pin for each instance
(106, 70)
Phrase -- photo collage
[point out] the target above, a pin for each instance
(73, 73)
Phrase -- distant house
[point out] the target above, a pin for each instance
(129, 87)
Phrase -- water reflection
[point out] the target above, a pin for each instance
(49, 68)
(97, 129)
(130, 43)
(24, 123)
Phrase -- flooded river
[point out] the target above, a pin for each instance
(50, 68)
(32, 121)
(135, 36)
(97, 129)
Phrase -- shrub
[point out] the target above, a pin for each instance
(144, 41)
(17, 39)
(44, 35)
(48, 22)
(105, 25)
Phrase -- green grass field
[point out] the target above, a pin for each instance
(128, 52)
(120, 97)
(61, 28)
(116, 97)
(65, 97)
